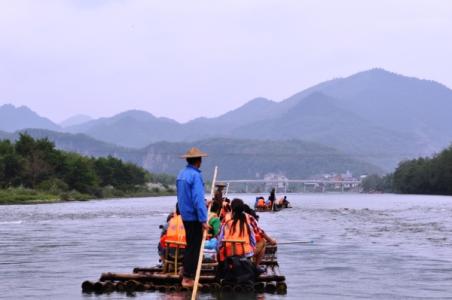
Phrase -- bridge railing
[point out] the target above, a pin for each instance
(291, 185)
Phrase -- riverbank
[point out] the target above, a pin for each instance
(12, 196)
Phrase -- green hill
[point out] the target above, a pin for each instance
(252, 159)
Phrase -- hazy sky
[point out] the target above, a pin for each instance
(184, 59)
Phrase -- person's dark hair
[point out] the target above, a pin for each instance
(227, 200)
(251, 212)
(170, 216)
(215, 207)
(193, 160)
(238, 215)
(177, 209)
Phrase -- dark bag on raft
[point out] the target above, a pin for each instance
(237, 270)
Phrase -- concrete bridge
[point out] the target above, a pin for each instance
(291, 185)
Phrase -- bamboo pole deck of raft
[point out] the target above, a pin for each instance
(132, 286)
(154, 279)
(171, 278)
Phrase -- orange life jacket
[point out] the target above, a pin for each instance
(176, 231)
(261, 202)
(238, 249)
(227, 216)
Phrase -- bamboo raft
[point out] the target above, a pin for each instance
(166, 279)
(267, 209)
(276, 207)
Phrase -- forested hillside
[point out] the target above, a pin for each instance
(430, 175)
(252, 159)
(424, 175)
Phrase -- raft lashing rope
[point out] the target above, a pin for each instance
(154, 279)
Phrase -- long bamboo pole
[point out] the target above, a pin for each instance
(204, 236)
(227, 190)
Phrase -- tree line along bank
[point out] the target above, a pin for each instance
(425, 175)
(33, 169)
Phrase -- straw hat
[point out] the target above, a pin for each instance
(194, 152)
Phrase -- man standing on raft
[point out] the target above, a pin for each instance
(193, 209)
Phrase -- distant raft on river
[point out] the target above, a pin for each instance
(264, 206)
(166, 278)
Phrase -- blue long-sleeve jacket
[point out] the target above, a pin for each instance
(190, 195)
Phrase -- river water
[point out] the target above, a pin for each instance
(363, 246)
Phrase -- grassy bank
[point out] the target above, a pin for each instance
(18, 195)
(30, 196)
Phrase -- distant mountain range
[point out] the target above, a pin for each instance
(75, 120)
(235, 158)
(375, 116)
(15, 118)
(132, 128)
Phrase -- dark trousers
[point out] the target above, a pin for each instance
(193, 234)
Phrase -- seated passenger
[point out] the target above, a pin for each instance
(260, 202)
(225, 209)
(174, 233)
(164, 228)
(237, 228)
(218, 196)
(214, 220)
(280, 201)
(268, 204)
(285, 202)
(261, 238)
(215, 224)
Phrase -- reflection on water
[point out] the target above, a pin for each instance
(365, 246)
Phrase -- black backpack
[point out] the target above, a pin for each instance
(237, 270)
